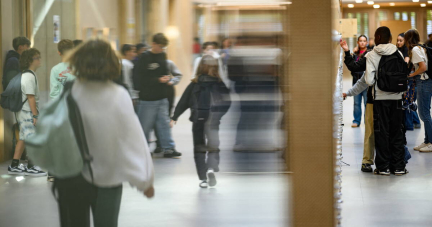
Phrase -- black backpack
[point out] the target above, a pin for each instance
(429, 56)
(11, 98)
(392, 73)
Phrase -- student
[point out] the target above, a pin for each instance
(208, 48)
(140, 48)
(30, 61)
(77, 42)
(388, 113)
(360, 86)
(419, 58)
(120, 153)
(150, 77)
(429, 41)
(11, 66)
(358, 54)
(61, 73)
(208, 98)
(196, 47)
(129, 54)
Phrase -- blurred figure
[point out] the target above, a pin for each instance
(129, 54)
(77, 42)
(30, 61)
(196, 48)
(11, 66)
(119, 154)
(429, 41)
(141, 48)
(61, 73)
(150, 77)
(208, 48)
(208, 98)
(256, 78)
(224, 52)
(371, 44)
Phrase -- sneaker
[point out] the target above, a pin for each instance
(354, 125)
(35, 171)
(426, 149)
(421, 146)
(170, 153)
(158, 150)
(417, 126)
(211, 178)
(203, 184)
(15, 170)
(366, 168)
(385, 172)
(401, 172)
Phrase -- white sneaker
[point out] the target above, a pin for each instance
(211, 178)
(421, 146)
(426, 149)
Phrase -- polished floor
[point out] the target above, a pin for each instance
(381, 201)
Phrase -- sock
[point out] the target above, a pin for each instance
(15, 163)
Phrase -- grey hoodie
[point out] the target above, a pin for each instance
(358, 87)
(372, 61)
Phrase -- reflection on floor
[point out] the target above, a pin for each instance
(381, 201)
(251, 192)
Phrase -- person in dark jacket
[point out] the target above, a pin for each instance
(150, 78)
(208, 98)
(11, 65)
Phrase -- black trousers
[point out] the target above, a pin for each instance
(389, 135)
(206, 144)
(75, 198)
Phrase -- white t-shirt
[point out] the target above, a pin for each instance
(29, 86)
(419, 55)
(127, 67)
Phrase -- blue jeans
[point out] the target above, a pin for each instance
(357, 106)
(411, 117)
(154, 115)
(424, 95)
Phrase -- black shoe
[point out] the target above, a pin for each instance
(385, 172)
(203, 184)
(170, 153)
(400, 172)
(158, 150)
(35, 171)
(366, 168)
(16, 170)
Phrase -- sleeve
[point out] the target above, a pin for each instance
(183, 104)
(54, 85)
(417, 55)
(358, 87)
(195, 67)
(28, 84)
(175, 72)
(370, 72)
(136, 74)
(354, 66)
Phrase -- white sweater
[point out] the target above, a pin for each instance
(114, 136)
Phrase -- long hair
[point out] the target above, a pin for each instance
(358, 51)
(208, 66)
(412, 39)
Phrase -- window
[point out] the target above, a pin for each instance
(397, 16)
(413, 20)
(429, 22)
(404, 16)
(362, 26)
(381, 16)
(366, 24)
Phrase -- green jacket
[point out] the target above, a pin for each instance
(60, 74)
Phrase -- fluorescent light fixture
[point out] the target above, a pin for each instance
(376, 6)
(359, 1)
(370, 2)
(429, 2)
(252, 3)
(350, 5)
(392, 4)
(423, 5)
(416, 0)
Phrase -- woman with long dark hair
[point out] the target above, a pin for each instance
(418, 58)
(359, 53)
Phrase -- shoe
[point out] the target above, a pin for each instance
(203, 184)
(171, 153)
(15, 170)
(426, 149)
(211, 178)
(354, 125)
(158, 150)
(385, 172)
(366, 168)
(420, 146)
(401, 172)
(35, 171)
(417, 126)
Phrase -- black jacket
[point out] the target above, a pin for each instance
(357, 66)
(11, 67)
(351, 59)
(208, 95)
(146, 73)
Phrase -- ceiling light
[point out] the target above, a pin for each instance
(429, 2)
(370, 2)
(423, 5)
(359, 1)
(416, 0)
(392, 4)
(376, 6)
(350, 5)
